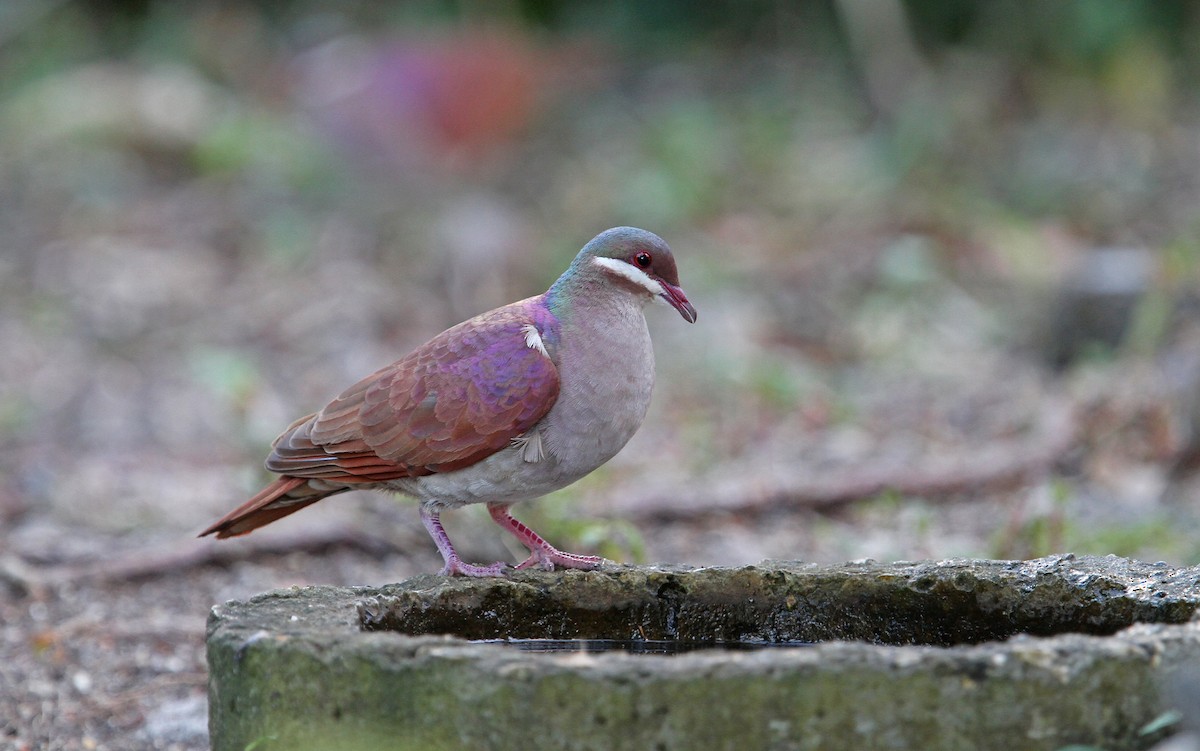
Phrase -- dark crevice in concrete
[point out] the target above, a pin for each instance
(940, 604)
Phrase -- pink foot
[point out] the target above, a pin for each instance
(547, 558)
(541, 553)
(454, 565)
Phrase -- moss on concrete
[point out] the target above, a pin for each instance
(299, 669)
(943, 603)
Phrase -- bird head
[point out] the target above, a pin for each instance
(641, 260)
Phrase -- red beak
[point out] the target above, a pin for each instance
(674, 295)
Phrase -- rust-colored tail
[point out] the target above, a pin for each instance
(269, 504)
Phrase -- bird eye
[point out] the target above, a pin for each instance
(643, 259)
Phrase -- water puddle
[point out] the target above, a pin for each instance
(640, 646)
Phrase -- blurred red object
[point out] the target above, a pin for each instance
(455, 99)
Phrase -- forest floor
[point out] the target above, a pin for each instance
(950, 318)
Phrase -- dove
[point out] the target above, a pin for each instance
(504, 407)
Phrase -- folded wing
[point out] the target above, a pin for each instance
(455, 400)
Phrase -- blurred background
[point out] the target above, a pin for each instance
(945, 255)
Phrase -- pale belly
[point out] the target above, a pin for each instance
(503, 477)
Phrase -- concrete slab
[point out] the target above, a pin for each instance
(936, 655)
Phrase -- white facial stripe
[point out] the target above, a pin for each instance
(533, 339)
(630, 272)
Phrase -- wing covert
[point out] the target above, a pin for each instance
(453, 401)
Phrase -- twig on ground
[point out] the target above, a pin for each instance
(174, 556)
(998, 464)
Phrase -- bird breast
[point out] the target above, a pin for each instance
(606, 372)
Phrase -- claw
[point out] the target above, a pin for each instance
(535, 560)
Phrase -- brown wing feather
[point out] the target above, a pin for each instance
(459, 398)
(260, 510)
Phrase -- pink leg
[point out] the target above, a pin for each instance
(542, 553)
(454, 565)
